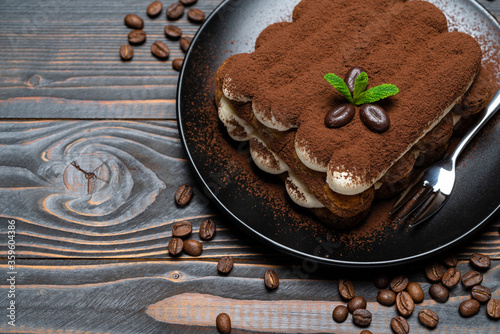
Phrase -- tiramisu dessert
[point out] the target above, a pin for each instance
(348, 98)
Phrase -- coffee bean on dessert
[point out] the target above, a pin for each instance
(493, 308)
(386, 297)
(340, 313)
(450, 261)
(173, 32)
(196, 15)
(472, 278)
(416, 292)
(126, 52)
(185, 42)
(175, 246)
(434, 272)
(481, 293)
(133, 21)
(188, 2)
(175, 11)
(340, 115)
(154, 9)
(428, 318)
(271, 279)
(177, 64)
(451, 277)
(223, 323)
(404, 304)
(480, 261)
(381, 281)
(366, 331)
(160, 50)
(183, 195)
(225, 264)
(193, 247)
(374, 117)
(399, 283)
(346, 289)
(362, 317)
(351, 76)
(356, 303)
(136, 37)
(439, 293)
(399, 325)
(182, 229)
(469, 308)
(207, 229)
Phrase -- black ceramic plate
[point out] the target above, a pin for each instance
(241, 191)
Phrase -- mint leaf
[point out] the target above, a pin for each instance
(360, 85)
(376, 93)
(339, 85)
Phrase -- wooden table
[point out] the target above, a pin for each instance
(102, 265)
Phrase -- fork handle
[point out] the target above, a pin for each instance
(491, 109)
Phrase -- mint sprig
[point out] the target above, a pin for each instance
(339, 85)
(375, 94)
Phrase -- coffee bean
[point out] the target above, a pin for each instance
(381, 281)
(175, 246)
(175, 11)
(428, 318)
(136, 37)
(196, 15)
(399, 325)
(177, 64)
(450, 261)
(493, 308)
(340, 115)
(340, 313)
(188, 2)
(183, 195)
(133, 21)
(362, 317)
(399, 283)
(416, 292)
(386, 297)
(185, 42)
(434, 272)
(439, 293)
(193, 247)
(182, 229)
(271, 279)
(472, 278)
(207, 229)
(374, 117)
(126, 52)
(173, 32)
(469, 308)
(351, 76)
(223, 323)
(225, 264)
(366, 331)
(160, 50)
(481, 293)
(404, 304)
(346, 289)
(154, 9)
(451, 277)
(480, 261)
(356, 303)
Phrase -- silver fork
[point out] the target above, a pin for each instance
(433, 186)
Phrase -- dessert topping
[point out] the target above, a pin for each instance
(374, 117)
(340, 115)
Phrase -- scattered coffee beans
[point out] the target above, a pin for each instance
(469, 308)
(451, 277)
(434, 272)
(404, 304)
(154, 9)
(416, 292)
(471, 279)
(182, 229)
(183, 195)
(207, 229)
(386, 297)
(160, 50)
(439, 293)
(399, 283)
(399, 325)
(173, 32)
(480, 261)
(196, 15)
(175, 11)
(493, 308)
(374, 117)
(356, 303)
(362, 317)
(271, 279)
(225, 264)
(340, 115)
(136, 37)
(175, 246)
(381, 281)
(340, 313)
(428, 318)
(177, 64)
(481, 293)
(450, 261)
(185, 42)
(133, 21)
(188, 2)
(223, 323)
(346, 289)
(126, 52)
(193, 247)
